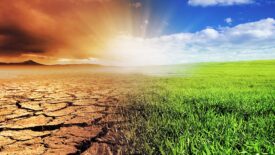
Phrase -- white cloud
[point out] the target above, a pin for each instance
(228, 20)
(218, 2)
(209, 33)
(254, 40)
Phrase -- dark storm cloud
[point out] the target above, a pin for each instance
(59, 28)
(15, 41)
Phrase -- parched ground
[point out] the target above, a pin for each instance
(63, 113)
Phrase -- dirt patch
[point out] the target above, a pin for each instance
(64, 114)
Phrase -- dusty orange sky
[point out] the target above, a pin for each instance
(47, 30)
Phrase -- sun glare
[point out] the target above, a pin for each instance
(134, 51)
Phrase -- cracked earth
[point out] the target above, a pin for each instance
(62, 114)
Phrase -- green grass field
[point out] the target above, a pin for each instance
(219, 108)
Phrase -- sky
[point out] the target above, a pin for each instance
(136, 32)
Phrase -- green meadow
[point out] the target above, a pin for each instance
(212, 108)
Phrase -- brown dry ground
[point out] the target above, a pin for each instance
(62, 110)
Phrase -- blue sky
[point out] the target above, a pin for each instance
(181, 16)
(187, 31)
